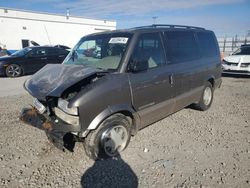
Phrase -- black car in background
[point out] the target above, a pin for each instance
(31, 59)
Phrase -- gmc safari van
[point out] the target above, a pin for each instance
(114, 83)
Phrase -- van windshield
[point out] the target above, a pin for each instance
(103, 51)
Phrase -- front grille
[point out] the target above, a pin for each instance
(233, 64)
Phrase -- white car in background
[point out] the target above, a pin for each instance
(238, 62)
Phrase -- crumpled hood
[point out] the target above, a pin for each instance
(54, 79)
(238, 59)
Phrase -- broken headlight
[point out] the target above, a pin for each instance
(63, 105)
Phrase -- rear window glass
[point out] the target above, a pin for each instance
(181, 46)
(207, 44)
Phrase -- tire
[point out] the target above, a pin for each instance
(110, 138)
(13, 71)
(206, 97)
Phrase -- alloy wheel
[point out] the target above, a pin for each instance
(13, 71)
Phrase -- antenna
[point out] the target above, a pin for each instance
(154, 19)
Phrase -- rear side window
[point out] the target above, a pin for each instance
(181, 46)
(207, 44)
(38, 52)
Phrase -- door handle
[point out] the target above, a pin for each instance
(44, 58)
(171, 80)
(61, 55)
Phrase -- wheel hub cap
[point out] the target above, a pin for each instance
(114, 139)
(207, 96)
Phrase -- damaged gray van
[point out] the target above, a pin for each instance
(114, 83)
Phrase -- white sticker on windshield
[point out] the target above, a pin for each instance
(118, 40)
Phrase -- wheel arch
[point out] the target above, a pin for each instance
(126, 110)
(211, 80)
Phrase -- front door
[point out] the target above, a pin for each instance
(150, 79)
(36, 59)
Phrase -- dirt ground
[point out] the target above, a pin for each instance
(187, 149)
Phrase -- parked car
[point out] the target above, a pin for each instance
(238, 62)
(30, 59)
(140, 76)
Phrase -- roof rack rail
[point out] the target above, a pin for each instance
(177, 26)
(170, 26)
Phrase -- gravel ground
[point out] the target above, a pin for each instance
(187, 149)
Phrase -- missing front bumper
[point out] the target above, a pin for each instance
(59, 134)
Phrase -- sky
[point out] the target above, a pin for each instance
(225, 17)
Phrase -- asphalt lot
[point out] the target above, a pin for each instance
(187, 149)
(12, 86)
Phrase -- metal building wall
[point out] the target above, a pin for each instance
(45, 29)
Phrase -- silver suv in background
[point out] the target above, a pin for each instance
(114, 83)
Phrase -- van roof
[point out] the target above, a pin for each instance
(153, 27)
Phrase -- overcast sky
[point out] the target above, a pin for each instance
(225, 17)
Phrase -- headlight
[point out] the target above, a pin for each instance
(223, 62)
(63, 105)
(73, 120)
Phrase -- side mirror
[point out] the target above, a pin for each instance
(137, 66)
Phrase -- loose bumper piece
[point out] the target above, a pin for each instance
(56, 133)
(32, 117)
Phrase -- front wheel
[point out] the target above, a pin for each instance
(110, 138)
(13, 71)
(206, 97)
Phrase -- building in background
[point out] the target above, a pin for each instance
(19, 27)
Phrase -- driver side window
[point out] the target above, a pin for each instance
(38, 53)
(148, 53)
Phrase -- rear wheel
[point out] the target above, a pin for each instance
(111, 137)
(13, 70)
(206, 97)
